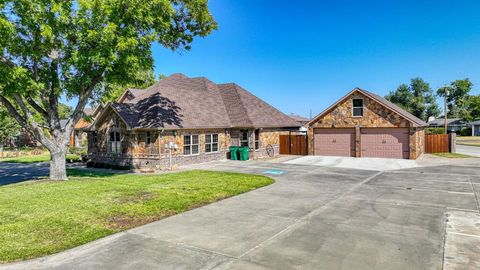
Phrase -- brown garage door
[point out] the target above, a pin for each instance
(385, 142)
(334, 142)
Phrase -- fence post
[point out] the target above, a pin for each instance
(453, 142)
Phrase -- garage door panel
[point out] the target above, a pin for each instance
(334, 142)
(388, 143)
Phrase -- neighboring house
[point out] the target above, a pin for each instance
(453, 124)
(24, 138)
(302, 121)
(363, 124)
(79, 136)
(201, 118)
(475, 128)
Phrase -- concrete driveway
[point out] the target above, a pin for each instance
(384, 164)
(312, 218)
(18, 172)
(468, 150)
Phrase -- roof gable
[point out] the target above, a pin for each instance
(415, 121)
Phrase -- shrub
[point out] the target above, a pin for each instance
(73, 158)
(77, 151)
(464, 132)
(435, 131)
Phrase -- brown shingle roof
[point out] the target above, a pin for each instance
(389, 105)
(191, 103)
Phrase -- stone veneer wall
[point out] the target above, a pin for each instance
(269, 137)
(155, 156)
(375, 115)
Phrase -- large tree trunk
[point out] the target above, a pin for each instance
(58, 170)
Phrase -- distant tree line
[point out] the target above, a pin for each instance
(420, 99)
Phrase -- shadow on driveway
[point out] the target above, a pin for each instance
(18, 172)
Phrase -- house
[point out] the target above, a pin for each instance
(79, 137)
(363, 124)
(475, 128)
(181, 120)
(302, 121)
(453, 124)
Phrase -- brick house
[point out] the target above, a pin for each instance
(363, 124)
(198, 116)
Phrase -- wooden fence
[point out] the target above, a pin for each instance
(293, 145)
(438, 143)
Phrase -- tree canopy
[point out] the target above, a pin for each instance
(9, 128)
(417, 98)
(457, 93)
(73, 48)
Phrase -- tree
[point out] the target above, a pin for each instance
(72, 48)
(472, 108)
(9, 128)
(458, 94)
(113, 91)
(64, 111)
(417, 98)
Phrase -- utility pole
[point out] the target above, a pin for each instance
(445, 108)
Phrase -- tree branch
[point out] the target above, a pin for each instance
(37, 107)
(82, 101)
(30, 124)
(11, 109)
(7, 62)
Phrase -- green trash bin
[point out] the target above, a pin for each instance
(234, 152)
(243, 153)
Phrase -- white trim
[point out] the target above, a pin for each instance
(191, 144)
(353, 107)
(211, 143)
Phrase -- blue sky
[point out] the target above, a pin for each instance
(305, 56)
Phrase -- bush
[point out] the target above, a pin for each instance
(73, 158)
(77, 151)
(464, 132)
(435, 131)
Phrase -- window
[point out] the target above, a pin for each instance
(244, 138)
(357, 107)
(190, 144)
(148, 139)
(257, 139)
(211, 143)
(115, 143)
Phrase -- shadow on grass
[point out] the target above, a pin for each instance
(88, 173)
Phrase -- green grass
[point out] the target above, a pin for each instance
(469, 140)
(37, 158)
(451, 155)
(27, 159)
(44, 217)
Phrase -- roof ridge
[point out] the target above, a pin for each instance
(234, 92)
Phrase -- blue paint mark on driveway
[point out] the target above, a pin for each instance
(274, 172)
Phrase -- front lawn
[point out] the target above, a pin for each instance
(469, 140)
(27, 159)
(451, 155)
(43, 217)
(38, 158)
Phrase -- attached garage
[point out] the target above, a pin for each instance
(334, 142)
(363, 124)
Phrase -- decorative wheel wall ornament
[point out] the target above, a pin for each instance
(270, 150)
